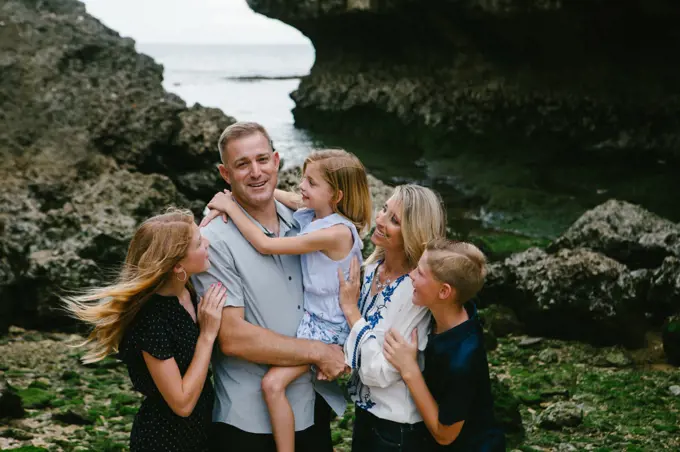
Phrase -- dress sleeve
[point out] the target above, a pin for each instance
(222, 269)
(364, 346)
(154, 333)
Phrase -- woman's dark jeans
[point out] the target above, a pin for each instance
(372, 434)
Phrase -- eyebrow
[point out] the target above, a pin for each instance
(246, 159)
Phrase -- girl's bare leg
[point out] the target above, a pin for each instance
(274, 385)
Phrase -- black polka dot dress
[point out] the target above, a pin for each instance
(164, 329)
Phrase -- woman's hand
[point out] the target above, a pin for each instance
(401, 354)
(350, 290)
(210, 310)
(219, 205)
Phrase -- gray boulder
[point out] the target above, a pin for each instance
(560, 415)
(625, 232)
(87, 126)
(575, 294)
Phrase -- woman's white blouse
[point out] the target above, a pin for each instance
(375, 384)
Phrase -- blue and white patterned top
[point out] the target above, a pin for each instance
(320, 272)
(376, 385)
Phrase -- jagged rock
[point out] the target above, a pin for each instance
(10, 402)
(576, 294)
(428, 66)
(664, 287)
(671, 339)
(548, 356)
(625, 232)
(73, 416)
(501, 320)
(506, 407)
(560, 415)
(86, 124)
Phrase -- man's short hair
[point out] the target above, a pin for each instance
(239, 130)
(459, 264)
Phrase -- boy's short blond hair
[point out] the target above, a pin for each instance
(458, 264)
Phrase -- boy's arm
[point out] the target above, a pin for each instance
(288, 198)
(429, 410)
(403, 356)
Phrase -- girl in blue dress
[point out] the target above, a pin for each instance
(336, 210)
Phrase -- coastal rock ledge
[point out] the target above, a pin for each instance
(90, 145)
(590, 75)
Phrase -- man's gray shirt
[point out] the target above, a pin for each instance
(269, 288)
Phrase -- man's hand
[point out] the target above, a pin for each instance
(332, 362)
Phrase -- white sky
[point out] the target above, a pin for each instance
(192, 21)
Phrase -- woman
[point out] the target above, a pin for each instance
(151, 315)
(386, 416)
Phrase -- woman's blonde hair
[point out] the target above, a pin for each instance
(458, 264)
(343, 171)
(423, 219)
(156, 247)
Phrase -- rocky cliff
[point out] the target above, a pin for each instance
(90, 145)
(597, 76)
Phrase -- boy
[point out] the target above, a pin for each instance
(453, 394)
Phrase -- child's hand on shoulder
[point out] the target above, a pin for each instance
(222, 201)
(400, 353)
(219, 205)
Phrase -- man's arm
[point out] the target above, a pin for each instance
(244, 340)
(240, 338)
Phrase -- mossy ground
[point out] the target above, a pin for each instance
(624, 396)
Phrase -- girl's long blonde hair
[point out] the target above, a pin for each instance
(156, 247)
(423, 219)
(343, 171)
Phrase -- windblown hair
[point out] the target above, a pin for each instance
(156, 247)
(423, 219)
(343, 171)
(238, 130)
(458, 264)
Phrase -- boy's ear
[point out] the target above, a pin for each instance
(445, 291)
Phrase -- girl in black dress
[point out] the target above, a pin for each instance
(151, 317)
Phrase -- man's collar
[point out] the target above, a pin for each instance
(285, 216)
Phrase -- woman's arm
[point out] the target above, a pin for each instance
(182, 393)
(288, 198)
(403, 356)
(363, 348)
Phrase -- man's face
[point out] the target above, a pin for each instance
(251, 169)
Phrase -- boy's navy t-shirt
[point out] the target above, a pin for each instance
(457, 375)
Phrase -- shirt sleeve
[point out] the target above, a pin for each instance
(455, 403)
(154, 333)
(364, 346)
(222, 269)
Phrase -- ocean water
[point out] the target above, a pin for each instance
(248, 82)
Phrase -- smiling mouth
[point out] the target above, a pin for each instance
(379, 234)
(258, 185)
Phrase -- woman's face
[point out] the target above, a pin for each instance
(387, 233)
(196, 259)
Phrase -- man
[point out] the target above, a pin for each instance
(263, 308)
